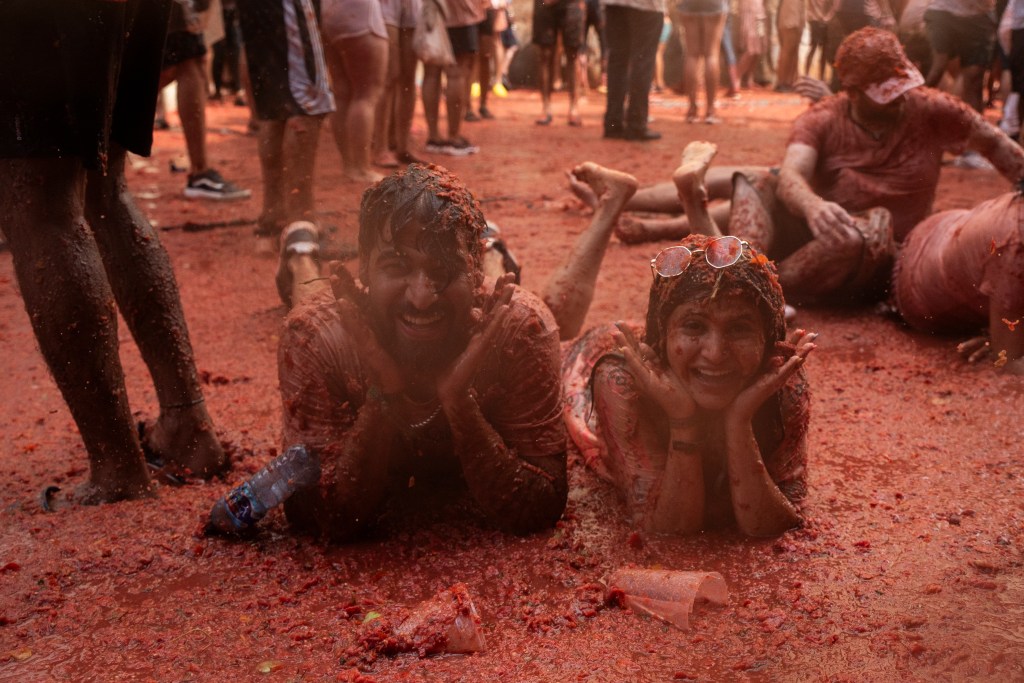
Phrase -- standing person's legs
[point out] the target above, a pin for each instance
(618, 34)
(574, 23)
(140, 275)
(342, 100)
(789, 46)
(64, 288)
(714, 26)
(485, 65)
(547, 17)
(644, 28)
(548, 68)
(269, 148)
(300, 137)
(692, 30)
(431, 93)
(405, 96)
(456, 93)
(192, 94)
(358, 66)
(938, 26)
(384, 113)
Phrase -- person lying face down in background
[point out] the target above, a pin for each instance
(963, 270)
(705, 420)
(423, 373)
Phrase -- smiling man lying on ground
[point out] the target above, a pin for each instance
(424, 374)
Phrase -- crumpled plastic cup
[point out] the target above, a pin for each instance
(666, 594)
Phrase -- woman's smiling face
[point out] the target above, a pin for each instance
(715, 348)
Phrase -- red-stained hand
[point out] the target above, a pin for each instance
(455, 381)
(383, 370)
(812, 88)
(747, 403)
(830, 222)
(656, 382)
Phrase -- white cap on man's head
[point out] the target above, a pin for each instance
(873, 61)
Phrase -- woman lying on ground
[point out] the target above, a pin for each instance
(705, 420)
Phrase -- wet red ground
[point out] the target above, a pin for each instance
(910, 567)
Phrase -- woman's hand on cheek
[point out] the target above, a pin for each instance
(652, 379)
(777, 372)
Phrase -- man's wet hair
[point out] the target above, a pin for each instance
(432, 201)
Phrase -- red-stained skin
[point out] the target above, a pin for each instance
(715, 349)
(909, 568)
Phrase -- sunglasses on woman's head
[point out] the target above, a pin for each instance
(720, 253)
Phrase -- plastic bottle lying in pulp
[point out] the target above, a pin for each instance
(248, 503)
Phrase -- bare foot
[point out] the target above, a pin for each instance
(386, 159)
(611, 188)
(689, 182)
(362, 175)
(95, 493)
(184, 439)
(581, 190)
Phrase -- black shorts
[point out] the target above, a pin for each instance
(99, 86)
(465, 39)
(182, 46)
(819, 32)
(567, 17)
(287, 68)
(486, 27)
(969, 38)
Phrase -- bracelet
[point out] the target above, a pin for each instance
(684, 446)
(186, 404)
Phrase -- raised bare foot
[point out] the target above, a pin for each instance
(689, 181)
(582, 190)
(183, 438)
(611, 188)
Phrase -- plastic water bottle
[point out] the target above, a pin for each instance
(248, 503)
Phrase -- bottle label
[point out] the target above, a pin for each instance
(239, 504)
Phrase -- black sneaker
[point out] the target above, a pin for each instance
(210, 185)
(460, 147)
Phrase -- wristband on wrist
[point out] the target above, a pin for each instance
(679, 446)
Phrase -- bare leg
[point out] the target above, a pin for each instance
(570, 290)
(300, 138)
(71, 308)
(570, 84)
(361, 63)
(819, 268)
(714, 27)
(689, 182)
(432, 100)
(191, 77)
(405, 98)
(142, 280)
(272, 216)
(547, 75)
(385, 110)
(457, 93)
